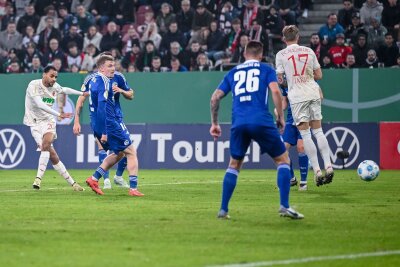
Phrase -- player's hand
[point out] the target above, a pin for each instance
(116, 89)
(215, 131)
(77, 129)
(85, 94)
(280, 123)
(66, 115)
(103, 139)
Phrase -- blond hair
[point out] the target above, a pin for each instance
(290, 33)
(103, 58)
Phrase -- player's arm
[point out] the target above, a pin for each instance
(101, 110)
(316, 67)
(39, 103)
(70, 91)
(78, 110)
(318, 74)
(216, 97)
(277, 98)
(127, 94)
(321, 94)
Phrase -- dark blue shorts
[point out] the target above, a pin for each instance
(291, 134)
(118, 137)
(97, 135)
(267, 137)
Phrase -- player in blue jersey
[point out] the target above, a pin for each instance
(250, 83)
(127, 92)
(291, 137)
(109, 126)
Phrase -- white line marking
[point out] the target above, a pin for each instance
(311, 259)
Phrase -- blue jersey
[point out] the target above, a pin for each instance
(289, 117)
(249, 85)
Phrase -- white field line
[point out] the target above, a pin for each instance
(311, 259)
(144, 184)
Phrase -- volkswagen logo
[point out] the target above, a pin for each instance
(342, 138)
(12, 148)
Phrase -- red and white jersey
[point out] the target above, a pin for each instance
(298, 64)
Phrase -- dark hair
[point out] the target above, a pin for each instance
(331, 14)
(49, 68)
(156, 58)
(389, 34)
(254, 48)
(351, 1)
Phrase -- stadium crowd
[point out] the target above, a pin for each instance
(186, 35)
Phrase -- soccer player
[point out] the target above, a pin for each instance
(122, 88)
(291, 136)
(250, 83)
(110, 127)
(41, 118)
(301, 67)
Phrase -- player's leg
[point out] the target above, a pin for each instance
(118, 179)
(102, 156)
(133, 170)
(290, 140)
(303, 164)
(293, 179)
(44, 156)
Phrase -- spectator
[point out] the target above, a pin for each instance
(360, 49)
(8, 17)
(176, 66)
(41, 5)
(173, 35)
(47, 34)
(174, 51)
(371, 61)
(130, 36)
(391, 16)
(144, 59)
(350, 62)
(27, 56)
(287, 10)
(397, 63)
(88, 58)
(30, 36)
(165, 18)
(232, 38)
(327, 63)
(273, 22)
(20, 6)
(345, 14)
(224, 63)
(388, 52)
(132, 55)
(91, 50)
(66, 20)
(53, 52)
(58, 64)
(319, 49)
(112, 39)
(238, 54)
(14, 67)
(85, 19)
(257, 33)
(376, 33)
(74, 68)
(356, 28)
(72, 36)
(75, 3)
(371, 9)
(50, 12)
(29, 18)
(11, 55)
(251, 12)
(192, 54)
(202, 18)
(92, 36)
(184, 18)
(131, 68)
(215, 42)
(148, 18)
(328, 32)
(339, 52)
(155, 64)
(115, 53)
(36, 66)
(74, 56)
(10, 38)
(228, 13)
(151, 34)
(203, 63)
(101, 11)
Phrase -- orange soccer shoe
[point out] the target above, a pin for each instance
(94, 185)
(135, 192)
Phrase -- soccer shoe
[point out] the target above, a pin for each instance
(303, 187)
(36, 183)
(319, 178)
(291, 213)
(107, 184)
(135, 192)
(223, 215)
(77, 187)
(118, 180)
(293, 181)
(94, 185)
(328, 175)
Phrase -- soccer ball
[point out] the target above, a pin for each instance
(368, 170)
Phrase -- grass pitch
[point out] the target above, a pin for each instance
(175, 223)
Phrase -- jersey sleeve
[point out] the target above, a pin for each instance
(225, 85)
(122, 83)
(57, 88)
(33, 89)
(279, 63)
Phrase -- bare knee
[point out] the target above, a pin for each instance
(235, 163)
(282, 159)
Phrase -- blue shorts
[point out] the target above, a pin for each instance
(291, 134)
(118, 137)
(267, 137)
(97, 135)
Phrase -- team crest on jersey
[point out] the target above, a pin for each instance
(114, 84)
(126, 142)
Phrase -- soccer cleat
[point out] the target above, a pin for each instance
(293, 181)
(118, 180)
(77, 187)
(107, 184)
(303, 187)
(36, 183)
(291, 213)
(328, 175)
(223, 215)
(319, 178)
(94, 185)
(135, 192)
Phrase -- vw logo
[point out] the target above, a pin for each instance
(12, 148)
(342, 138)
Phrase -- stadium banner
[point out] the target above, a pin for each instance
(389, 145)
(178, 146)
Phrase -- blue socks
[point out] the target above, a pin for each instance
(283, 181)
(133, 181)
(121, 166)
(102, 156)
(303, 166)
(99, 173)
(228, 186)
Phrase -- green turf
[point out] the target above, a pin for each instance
(175, 224)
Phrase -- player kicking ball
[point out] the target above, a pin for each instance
(249, 83)
(109, 127)
(40, 117)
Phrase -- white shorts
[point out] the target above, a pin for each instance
(307, 111)
(40, 129)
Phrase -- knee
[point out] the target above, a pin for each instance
(300, 148)
(282, 159)
(46, 146)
